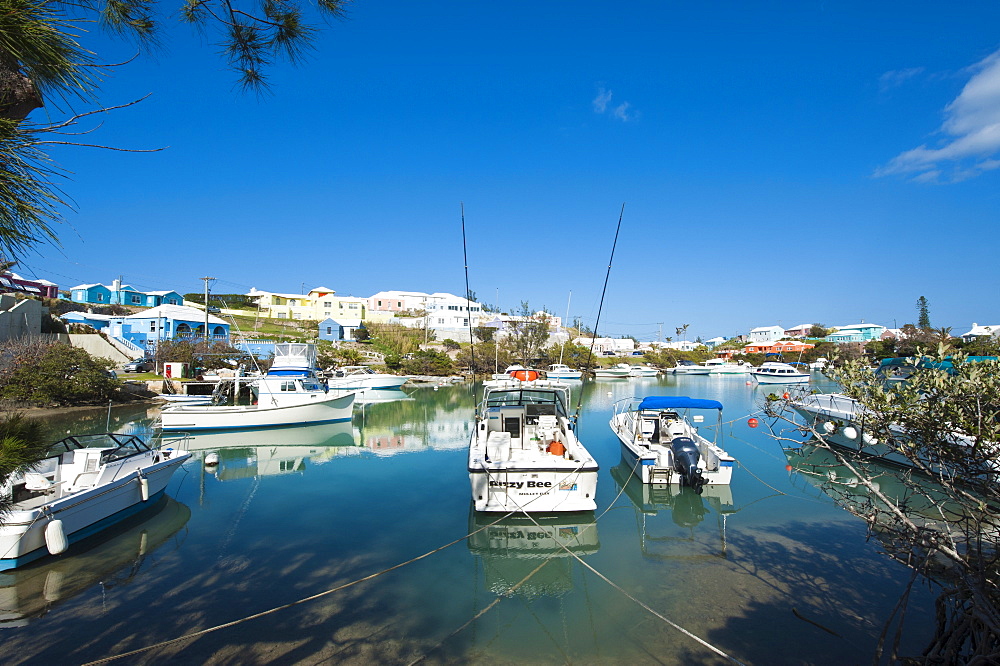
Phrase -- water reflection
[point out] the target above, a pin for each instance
(111, 558)
(512, 548)
(437, 419)
(684, 536)
(269, 451)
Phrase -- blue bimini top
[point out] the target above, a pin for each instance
(678, 402)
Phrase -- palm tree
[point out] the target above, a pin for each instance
(22, 445)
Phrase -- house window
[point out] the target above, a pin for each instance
(136, 299)
(100, 297)
(152, 327)
(329, 330)
(440, 321)
(352, 306)
(399, 304)
(380, 303)
(326, 314)
(327, 304)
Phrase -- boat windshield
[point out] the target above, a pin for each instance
(119, 446)
(527, 396)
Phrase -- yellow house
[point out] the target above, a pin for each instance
(319, 304)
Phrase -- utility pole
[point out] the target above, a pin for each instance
(659, 331)
(206, 279)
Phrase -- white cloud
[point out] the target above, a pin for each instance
(623, 111)
(602, 100)
(971, 132)
(897, 77)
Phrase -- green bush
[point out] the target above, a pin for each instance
(54, 373)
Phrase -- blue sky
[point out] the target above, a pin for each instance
(782, 162)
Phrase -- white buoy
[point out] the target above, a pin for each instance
(850, 432)
(211, 459)
(610, 394)
(829, 426)
(55, 537)
(144, 488)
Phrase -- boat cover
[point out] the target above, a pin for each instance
(678, 402)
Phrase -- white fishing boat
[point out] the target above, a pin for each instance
(562, 371)
(773, 372)
(684, 367)
(618, 371)
(361, 378)
(289, 394)
(720, 366)
(87, 483)
(642, 371)
(524, 454)
(664, 447)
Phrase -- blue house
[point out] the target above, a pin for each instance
(857, 333)
(337, 330)
(122, 294)
(145, 329)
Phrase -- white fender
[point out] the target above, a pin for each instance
(144, 488)
(850, 432)
(55, 537)
(869, 440)
(830, 427)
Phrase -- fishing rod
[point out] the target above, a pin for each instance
(600, 307)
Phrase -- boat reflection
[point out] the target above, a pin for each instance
(110, 558)
(691, 517)
(512, 548)
(269, 451)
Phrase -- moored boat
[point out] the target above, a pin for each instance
(87, 483)
(720, 366)
(643, 371)
(664, 447)
(562, 371)
(619, 371)
(524, 454)
(773, 372)
(361, 378)
(289, 394)
(685, 367)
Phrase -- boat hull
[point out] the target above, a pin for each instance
(22, 535)
(326, 408)
(366, 383)
(776, 379)
(533, 489)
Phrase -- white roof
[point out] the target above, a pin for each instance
(853, 326)
(88, 286)
(76, 314)
(766, 328)
(982, 329)
(176, 312)
(799, 327)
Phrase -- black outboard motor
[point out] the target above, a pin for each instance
(686, 462)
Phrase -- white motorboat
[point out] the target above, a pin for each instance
(642, 371)
(662, 445)
(87, 483)
(720, 366)
(178, 399)
(562, 371)
(685, 367)
(619, 371)
(524, 454)
(289, 394)
(773, 372)
(362, 378)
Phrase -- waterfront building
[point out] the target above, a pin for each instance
(140, 332)
(981, 331)
(856, 333)
(319, 304)
(766, 334)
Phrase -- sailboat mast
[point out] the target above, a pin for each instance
(565, 323)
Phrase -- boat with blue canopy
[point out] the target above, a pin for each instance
(661, 443)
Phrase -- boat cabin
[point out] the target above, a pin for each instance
(519, 423)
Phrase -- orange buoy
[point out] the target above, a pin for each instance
(556, 448)
(752, 423)
(525, 375)
(785, 395)
(788, 468)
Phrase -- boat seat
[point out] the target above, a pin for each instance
(36, 482)
(498, 446)
(85, 480)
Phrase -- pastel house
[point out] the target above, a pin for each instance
(118, 293)
(856, 333)
(143, 330)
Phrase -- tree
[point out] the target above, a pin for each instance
(818, 331)
(945, 420)
(682, 331)
(527, 334)
(484, 333)
(923, 314)
(42, 63)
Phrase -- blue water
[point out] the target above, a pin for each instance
(776, 574)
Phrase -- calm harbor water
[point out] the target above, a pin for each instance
(768, 571)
